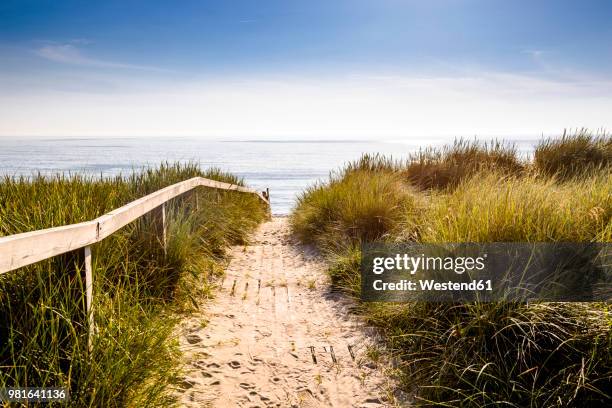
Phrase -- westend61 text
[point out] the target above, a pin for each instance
(486, 272)
(432, 285)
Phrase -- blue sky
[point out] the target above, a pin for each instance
(304, 68)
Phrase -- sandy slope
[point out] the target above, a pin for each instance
(254, 344)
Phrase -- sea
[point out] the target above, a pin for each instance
(286, 167)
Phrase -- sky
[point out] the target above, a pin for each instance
(380, 69)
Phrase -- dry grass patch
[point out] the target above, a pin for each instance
(574, 154)
(446, 167)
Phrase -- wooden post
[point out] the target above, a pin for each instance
(163, 226)
(158, 221)
(89, 296)
(266, 194)
(197, 201)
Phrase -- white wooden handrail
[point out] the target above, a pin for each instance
(27, 248)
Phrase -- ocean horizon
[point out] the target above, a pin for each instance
(285, 167)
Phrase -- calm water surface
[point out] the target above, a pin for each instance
(285, 167)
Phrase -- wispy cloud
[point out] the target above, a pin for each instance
(550, 67)
(69, 53)
(535, 54)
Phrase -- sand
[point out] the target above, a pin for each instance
(256, 343)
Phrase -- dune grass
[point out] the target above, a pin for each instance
(138, 291)
(446, 167)
(336, 210)
(475, 354)
(495, 208)
(574, 154)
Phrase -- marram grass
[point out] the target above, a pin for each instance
(138, 292)
(475, 354)
(495, 208)
(446, 167)
(574, 154)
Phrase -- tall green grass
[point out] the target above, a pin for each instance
(495, 208)
(475, 354)
(336, 209)
(138, 290)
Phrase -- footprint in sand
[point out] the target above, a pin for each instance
(193, 338)
(247, 386)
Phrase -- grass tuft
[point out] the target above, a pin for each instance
(574, 154)
(447, 167)
(360, 205)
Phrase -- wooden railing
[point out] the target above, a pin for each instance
(27, 248)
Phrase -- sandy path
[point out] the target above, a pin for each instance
(255, 344)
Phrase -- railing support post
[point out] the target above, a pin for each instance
(158, 219)
(266, 195)
(163, 220)
(89, 296)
